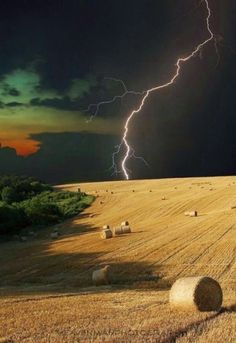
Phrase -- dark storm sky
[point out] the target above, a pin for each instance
(55, 56)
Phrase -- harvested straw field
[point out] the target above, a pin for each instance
(47, 294)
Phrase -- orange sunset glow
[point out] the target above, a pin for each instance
(23, 147)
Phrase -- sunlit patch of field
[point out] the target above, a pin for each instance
(46, 289)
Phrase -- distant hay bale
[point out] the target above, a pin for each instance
(233, 207)
(54, 235)
(125, 223)
(117, 231)
(106, 234)
(186, 213)
(197, 293)
(112, 192)
(150, 191)
(101, 276)
(133, 190)
(126, 229)
(91, 215)
(101, 202)
(193, 214)
(163, 198)
(106, 227)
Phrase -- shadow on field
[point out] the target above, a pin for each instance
(137, 275)
(198, 326)
(42, 265)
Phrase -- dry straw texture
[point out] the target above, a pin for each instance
(106, 234)
(200, 293)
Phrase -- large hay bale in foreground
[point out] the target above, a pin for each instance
(106, 234)
(101, 276)
(197, 293)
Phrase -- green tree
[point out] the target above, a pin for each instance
(9, 195)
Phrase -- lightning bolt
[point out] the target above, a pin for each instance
(180, 61)
(129, 152)
(96, 107)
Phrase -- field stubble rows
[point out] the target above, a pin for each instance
(164, 244)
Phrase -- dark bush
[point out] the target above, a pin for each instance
(11, 219)
(9, 195)
(26, 201)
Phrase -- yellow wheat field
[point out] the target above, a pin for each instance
(46, 289)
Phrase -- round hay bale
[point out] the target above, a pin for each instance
(117, 231)
(198, 293)
(106, 227)
(163, 198)
(126, 229)
(125, 223)
(186, 213)
(101, 276)
(106, 234)
(193, 214)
